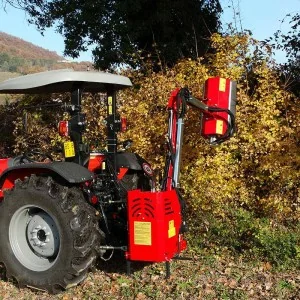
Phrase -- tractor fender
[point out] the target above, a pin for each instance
(130, 160)
(71, 172)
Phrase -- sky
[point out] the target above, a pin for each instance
(262, 17)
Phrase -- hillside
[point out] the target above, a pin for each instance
(17, 47)
(7, 75)
(22, 57)
(19, 57)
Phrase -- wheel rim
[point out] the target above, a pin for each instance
(34, 238)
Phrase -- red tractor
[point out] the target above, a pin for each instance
(57, 217)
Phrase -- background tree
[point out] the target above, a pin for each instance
(290, 43)
(129, 31)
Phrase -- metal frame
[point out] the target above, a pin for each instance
(76, 82)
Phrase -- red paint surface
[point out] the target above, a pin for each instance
(95, 162)
(159, 209)
(3, 164)
(122, 173)
(215, 98)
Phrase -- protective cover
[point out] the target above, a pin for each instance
(154, 221)
(59, 81)
(70, 171)
(221, 93)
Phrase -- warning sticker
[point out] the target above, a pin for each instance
(109, 99)
(219, 127)
(69, 149)
(222, 85)
(172, 229)
(142, 233)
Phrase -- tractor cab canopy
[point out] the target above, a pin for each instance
(66, 80)
(76, 82)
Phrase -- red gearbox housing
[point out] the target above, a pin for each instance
(154, 221)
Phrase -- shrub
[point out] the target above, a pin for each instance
(241, 232)
(257, 171)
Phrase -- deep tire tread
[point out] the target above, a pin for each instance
(85, 264)
(83, 226)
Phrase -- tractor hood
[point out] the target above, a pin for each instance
(60, 81)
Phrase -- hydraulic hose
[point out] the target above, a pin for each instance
(230, 125)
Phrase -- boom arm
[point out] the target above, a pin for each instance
(220, 114)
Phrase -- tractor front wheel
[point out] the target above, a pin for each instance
(49, 234)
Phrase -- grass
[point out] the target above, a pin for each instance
(245, 258)
(221, 277)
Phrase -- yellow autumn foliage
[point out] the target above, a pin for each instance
(258, 169)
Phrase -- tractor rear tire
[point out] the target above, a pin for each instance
(49, 234)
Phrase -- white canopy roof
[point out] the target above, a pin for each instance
(63, 81)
